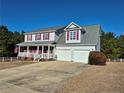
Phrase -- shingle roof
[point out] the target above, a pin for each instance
(49, 29)
(89, 37)
(35, 43)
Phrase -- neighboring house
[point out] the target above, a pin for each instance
(65, 43)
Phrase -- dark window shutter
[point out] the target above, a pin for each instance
(67, 35)
(48, 36)
(43, 36)
(77, 35)
(29, 37)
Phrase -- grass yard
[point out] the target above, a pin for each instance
(4, 65)
(97, 79)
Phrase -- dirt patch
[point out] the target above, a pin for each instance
(5, 65)
(97, 79)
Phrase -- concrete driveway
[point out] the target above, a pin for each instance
(41, 77)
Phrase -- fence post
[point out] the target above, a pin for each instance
(121, 60)
(11, 59)
(3, 59)
(16, 58)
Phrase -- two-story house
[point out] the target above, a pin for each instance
(63, 43)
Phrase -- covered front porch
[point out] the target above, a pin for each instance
(36, 52)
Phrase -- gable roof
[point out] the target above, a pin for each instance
(90, 36)
(49, 29)
(75, 26)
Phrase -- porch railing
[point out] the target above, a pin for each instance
(22, 54)
(35, 55)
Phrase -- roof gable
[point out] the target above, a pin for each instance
(71, 26)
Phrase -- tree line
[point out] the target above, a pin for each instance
(111, 45)
(8, 41)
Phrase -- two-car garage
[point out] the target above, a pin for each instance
(74, 54)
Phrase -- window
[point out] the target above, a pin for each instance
(29, 37)
(72, 35)
(37, 36)
(46, 36)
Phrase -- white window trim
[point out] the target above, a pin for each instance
(73, 41)
(37, 39)
(46, 36)
(72, 35)
(29, 37)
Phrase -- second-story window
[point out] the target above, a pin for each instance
(29, 37)
(46, 36)
(38, 36)
(72, 35)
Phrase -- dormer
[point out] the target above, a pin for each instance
(73, 33)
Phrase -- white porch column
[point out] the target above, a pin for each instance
(27, 51)
(37, 49)
(48, 55)
(42, 50)
(19, 51)
(53, 52)
(19, 48)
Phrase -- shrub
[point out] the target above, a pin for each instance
(97, 58)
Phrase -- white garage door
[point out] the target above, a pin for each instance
(80, 55)
(64, 54)
(75, 55)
